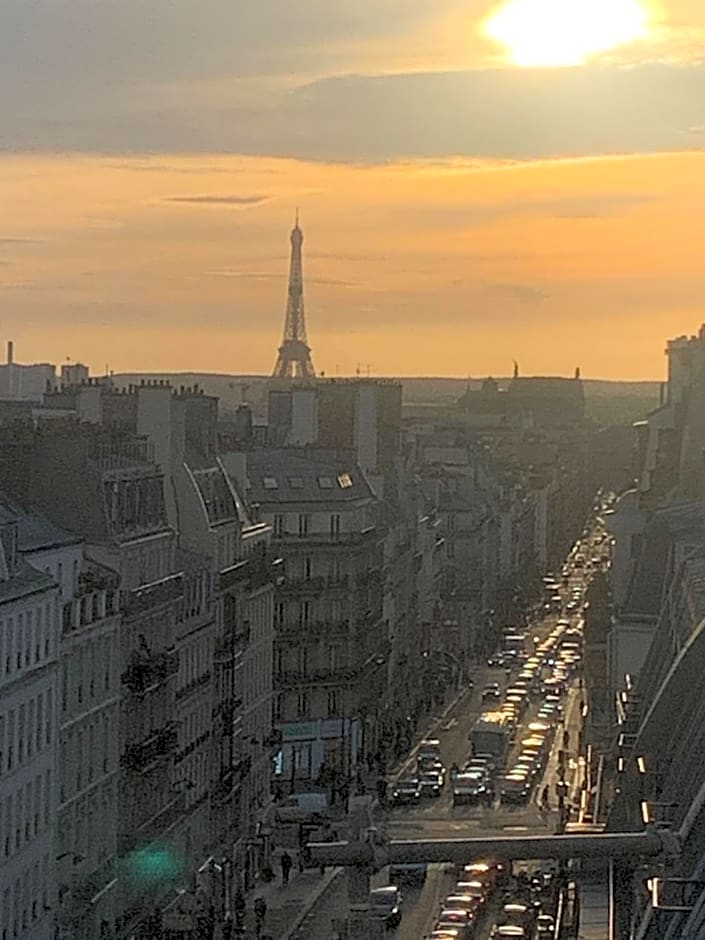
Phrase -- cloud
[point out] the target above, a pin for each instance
(269, 276)
(216, 200)
(524, 293)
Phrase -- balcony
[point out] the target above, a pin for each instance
(293, 679)
(253, 573)
(312, 628)
(314, 585)
(148, 670)
(145, 599)
(158, 746)
(330, 538)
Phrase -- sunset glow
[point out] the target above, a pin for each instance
(565, 32)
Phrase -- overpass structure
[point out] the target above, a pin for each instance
(369, 850)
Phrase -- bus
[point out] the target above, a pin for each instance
(492, 735)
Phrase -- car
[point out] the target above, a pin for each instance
(517, 913)
(515, 787)
(509, 932)
(385, 905)
(449, 933)
(542, 728)
(456, 918)
(496, 661)
(530, 763)
(491, 692)
(471, 787)
(302, 808)
(462, 902)
(431, 784)
(430, 765)
(473, 888)
(545, 927)
(483, 764)
(406, 792)
(431, 747)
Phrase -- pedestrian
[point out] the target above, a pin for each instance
(300, 861)
(285, 863)
(239, 906)
(260, 908)
(544, 797)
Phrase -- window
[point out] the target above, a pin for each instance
(333, 703)
(304, 613)
(308, 567)
(296, 483)
(325, 483)
(270, 483)
(335, 524)
(279, 525)
(302, 704)
(304, 524)
(277, 706)
(344, 481)
(303, 660)
(332, 658)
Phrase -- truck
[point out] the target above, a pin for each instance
(491, 735)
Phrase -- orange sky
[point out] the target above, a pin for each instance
(409, 268)
(459, 213)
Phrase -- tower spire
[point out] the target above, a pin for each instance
(294, 359)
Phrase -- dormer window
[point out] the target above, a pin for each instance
(344, 481)
(270, 483)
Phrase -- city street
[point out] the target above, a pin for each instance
(438, 818)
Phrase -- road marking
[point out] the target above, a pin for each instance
(515, 828)
(450, 724)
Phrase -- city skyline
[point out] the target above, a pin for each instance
(502, 213)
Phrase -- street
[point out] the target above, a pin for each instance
(437, 818)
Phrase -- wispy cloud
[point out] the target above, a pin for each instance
(219, 200)
(524, 293)
(274, 276)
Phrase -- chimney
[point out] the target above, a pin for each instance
(10, 352)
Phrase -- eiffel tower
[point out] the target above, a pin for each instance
(294, 359)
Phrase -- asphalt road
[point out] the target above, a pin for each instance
(438, 819)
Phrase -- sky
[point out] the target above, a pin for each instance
(459, 211)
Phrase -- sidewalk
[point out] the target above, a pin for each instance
(288, 906)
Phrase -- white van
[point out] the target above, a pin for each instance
(302, 808)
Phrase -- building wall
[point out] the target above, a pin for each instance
(26, 383)
(29, 741)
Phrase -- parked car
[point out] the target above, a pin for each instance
(302, 808)
(385, 905)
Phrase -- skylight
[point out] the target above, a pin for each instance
(325, 483)
(344, 481)
(296, 483)
(270, 483)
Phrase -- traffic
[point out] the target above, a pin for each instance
(508, 762)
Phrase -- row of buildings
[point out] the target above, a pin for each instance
(196, 617)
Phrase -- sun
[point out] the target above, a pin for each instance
(565, 32)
